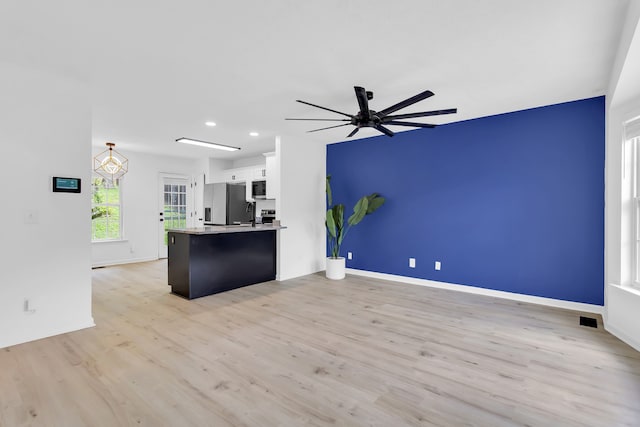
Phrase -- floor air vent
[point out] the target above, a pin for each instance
(588, 321)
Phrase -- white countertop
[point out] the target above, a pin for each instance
(219, 229)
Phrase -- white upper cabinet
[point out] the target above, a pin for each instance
(267, 172)
(237, 175)
(260, 173)
(248, 174)
(272, 176)
(216, 177)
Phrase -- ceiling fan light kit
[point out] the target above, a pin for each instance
(379, 119)
(207, 144)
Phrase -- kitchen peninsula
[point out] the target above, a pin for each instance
(207, 260)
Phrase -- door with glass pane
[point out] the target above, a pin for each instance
(175, 209)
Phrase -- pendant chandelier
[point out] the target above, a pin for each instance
(110, 164)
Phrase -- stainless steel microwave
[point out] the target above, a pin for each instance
(259, 189)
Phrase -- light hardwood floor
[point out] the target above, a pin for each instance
(314, 352)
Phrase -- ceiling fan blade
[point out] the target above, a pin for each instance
(353, 132)
(330, 127)
(324, 108)
(412, 124)
(325, 120)
(384, 130)
(402, 104)
(363, 103)
(423, 114)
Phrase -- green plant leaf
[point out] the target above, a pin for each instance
(331, 224)
(359, 211)
(328, 189)
(338, 216)
(375, 201)
(335, 228)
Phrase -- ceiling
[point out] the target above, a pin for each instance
(157, 70)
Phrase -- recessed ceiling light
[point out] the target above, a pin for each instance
(206, 144)
(254, 133)
(210, 123)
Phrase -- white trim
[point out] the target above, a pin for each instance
(568, 305)
(100, 242)
(628, 339)
(632, 289)
(59, 330)
(123, 261)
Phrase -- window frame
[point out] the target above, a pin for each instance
(119, 205)
(635, 216)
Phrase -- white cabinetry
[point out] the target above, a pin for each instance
(267, 172)
(236, 175)
(260, 173)
(216, 177)
(272, 175)
(248, 174)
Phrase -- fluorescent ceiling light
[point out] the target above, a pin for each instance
(207, 144)
(254, 133)
(210, 123)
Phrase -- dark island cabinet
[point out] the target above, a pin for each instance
(205, 264)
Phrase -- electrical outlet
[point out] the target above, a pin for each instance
(412, 262)
(438, 265)
(349, 255)
(27, 306)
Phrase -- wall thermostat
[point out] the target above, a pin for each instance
(66, 185)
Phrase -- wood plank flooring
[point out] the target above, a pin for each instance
(314, 352)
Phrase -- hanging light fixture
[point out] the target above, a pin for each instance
(110, 164)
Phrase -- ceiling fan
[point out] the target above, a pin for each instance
(378, 119)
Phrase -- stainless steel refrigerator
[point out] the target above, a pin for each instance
(230, 205)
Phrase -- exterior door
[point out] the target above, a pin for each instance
(174, 212)
(181, 205)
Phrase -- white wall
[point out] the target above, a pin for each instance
(141, 198)
(301, 206)
(215, 167)
(249, 161)
(45, 130)
(622, 304)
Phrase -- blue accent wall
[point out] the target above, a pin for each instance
(512, 202)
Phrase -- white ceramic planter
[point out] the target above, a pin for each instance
(335, 268)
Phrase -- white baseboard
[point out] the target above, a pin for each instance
(569, 305)
(632, 341)
(122, 261)
(53, 331)
(623, 314)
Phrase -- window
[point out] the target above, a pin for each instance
(636, 211)
(106, 209)
(632, 136)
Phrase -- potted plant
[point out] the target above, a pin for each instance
(337, 229)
